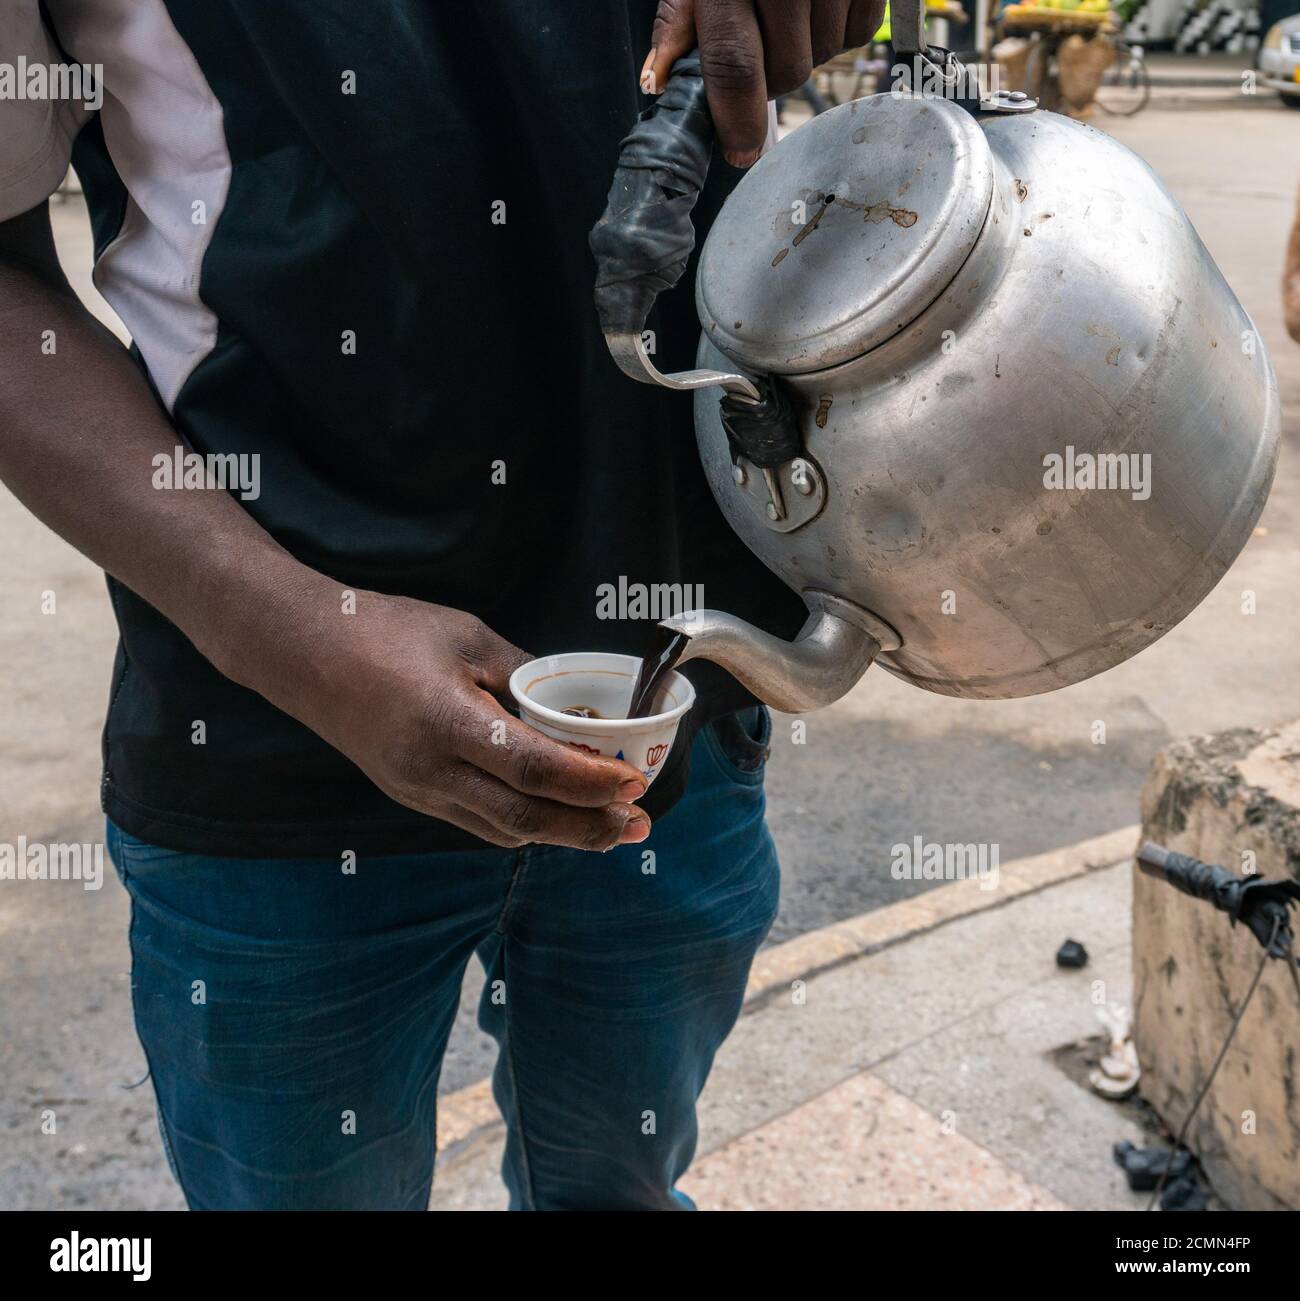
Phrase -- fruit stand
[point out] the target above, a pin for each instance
(1057, 51)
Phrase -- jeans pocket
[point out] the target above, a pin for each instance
(113, 843)
(133, 856)
(740, 743)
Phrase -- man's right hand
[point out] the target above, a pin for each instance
(408, 690)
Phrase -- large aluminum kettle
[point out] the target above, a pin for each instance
(990, 407)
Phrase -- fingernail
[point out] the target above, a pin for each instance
(634, 831)
(743, 160)
(648, 86)
(630, 790)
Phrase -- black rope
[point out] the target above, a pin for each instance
(1218, 1061)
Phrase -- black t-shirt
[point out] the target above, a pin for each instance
(352, 239)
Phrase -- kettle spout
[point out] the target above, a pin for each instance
(832, 651)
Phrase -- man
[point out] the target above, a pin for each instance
(349, 242)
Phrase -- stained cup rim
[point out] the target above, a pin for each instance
(624, 666)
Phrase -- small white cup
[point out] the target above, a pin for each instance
(544, 688)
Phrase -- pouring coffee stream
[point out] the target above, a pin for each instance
(664, 650)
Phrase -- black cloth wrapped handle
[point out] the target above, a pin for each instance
(645, 238)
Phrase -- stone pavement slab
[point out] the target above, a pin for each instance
(861, 1146)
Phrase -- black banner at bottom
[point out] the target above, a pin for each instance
(88, 1250)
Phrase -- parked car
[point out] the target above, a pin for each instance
(1279, 60)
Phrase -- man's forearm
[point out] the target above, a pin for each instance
(79, 430)
(405, 689)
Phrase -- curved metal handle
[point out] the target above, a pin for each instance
(642, 245)
(629, 351)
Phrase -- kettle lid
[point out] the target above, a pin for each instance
(844, 233)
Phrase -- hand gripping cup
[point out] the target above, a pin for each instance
(582, 699)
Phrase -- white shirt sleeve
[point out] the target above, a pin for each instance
(36, 134)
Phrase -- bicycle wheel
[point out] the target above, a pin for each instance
(1125, 88)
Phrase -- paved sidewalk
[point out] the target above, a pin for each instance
(918, 1075)
(861, 1146)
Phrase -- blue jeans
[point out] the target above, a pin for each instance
(294, 1014)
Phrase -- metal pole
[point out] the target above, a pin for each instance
(907, 26)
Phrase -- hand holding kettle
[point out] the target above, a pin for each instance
(751, 51)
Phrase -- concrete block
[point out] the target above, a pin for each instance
(1222, 799)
